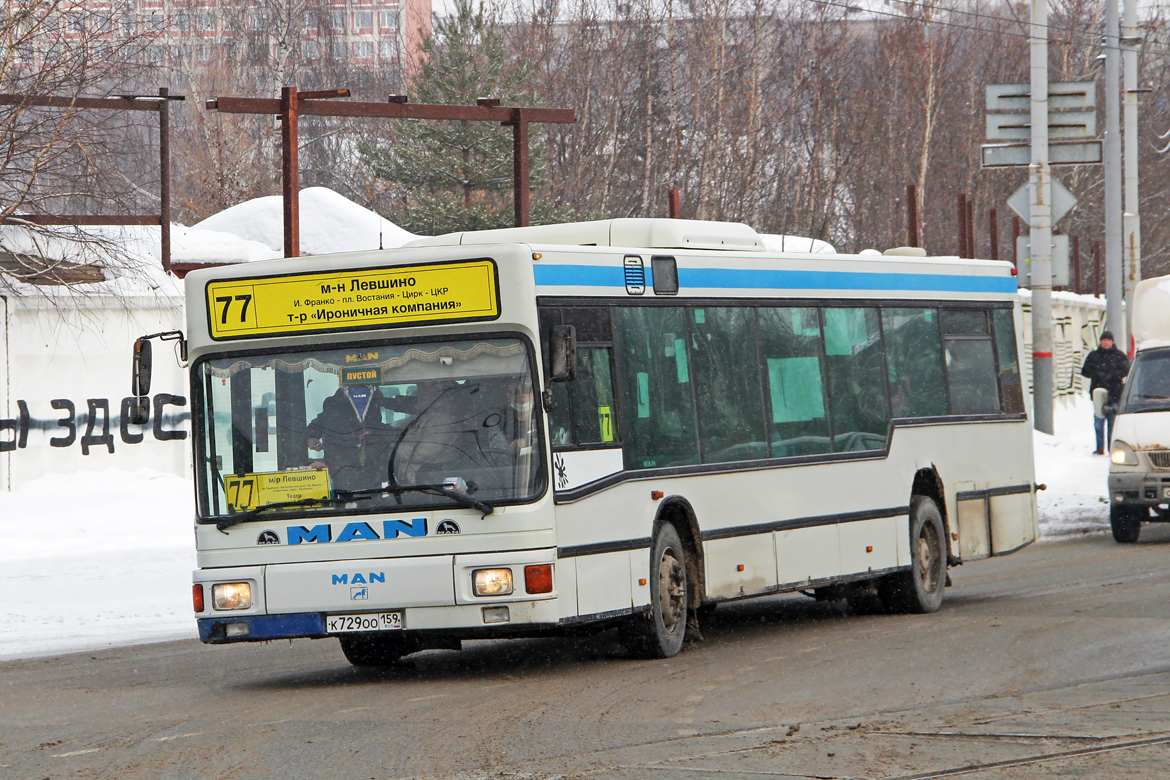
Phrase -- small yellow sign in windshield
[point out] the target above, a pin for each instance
(248, 491)
(352, 300)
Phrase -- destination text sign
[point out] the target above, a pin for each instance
(352, 300)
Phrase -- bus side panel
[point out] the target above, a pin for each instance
(868, 545)
(566, 582)
(604, 582)
(739, 566)
(1007, 532)
(804, 554)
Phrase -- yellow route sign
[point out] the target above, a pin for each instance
(352, 300)
(248, 491)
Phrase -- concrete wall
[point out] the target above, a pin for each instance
(1077, 324)
(64, 372)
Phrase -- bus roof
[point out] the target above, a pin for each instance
(641, 233)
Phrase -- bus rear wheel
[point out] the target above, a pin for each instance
(659, 632)
(375, 650)
(1126, 523)
(920, 588)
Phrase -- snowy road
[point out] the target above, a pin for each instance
(1049, 663)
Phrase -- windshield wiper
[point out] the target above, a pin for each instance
(242, 517)
(434, 490)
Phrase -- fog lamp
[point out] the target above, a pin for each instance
(231, 595)
(492, 582)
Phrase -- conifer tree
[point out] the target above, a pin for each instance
(458, 175)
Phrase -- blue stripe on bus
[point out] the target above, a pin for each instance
(766, 279)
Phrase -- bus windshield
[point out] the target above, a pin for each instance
(1147, 389)
(321, 430)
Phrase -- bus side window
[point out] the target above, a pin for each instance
(914, 362)
(790, 348)
(657, 394)
(727, 384)
(1011, 391)
(971, 380)
(857, 389)
(561, 415)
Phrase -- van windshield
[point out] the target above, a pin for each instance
(1148, 387)
(294, 426)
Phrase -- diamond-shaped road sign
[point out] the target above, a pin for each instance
(1063, 202)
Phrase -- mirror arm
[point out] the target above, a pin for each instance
(171, 335)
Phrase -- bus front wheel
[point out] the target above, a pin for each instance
(659, 632)
(920, 588)
(1126, 523)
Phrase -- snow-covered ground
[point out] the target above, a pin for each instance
(96, 559)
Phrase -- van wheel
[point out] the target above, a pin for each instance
(920, 588)
(659, 632)
(1126, 523)
(375, 649)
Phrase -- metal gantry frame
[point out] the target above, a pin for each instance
(159, 103)
(292, 104)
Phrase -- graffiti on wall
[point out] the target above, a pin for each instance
(94, 429)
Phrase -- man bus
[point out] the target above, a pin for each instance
(616, 423)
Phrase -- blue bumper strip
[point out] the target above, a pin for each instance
(262, 627)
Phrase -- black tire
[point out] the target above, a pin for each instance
(659, 632)
(920, 588)
(1126, 523)
(375, 649)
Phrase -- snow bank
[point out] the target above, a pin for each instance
(330, 222)
(95, 559)
(1077, 498)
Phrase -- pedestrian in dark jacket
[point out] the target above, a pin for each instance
(1106, 367)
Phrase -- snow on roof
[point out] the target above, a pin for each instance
(330, 222)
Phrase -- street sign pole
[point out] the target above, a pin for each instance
(1131, 223)
(1040, 189)
(1114, 319)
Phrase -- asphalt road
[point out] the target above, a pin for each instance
(1053, 662)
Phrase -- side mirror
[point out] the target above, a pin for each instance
(562, 345)
(140, 411)
(143, 362)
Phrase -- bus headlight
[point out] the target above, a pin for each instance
(231, 595)
(1122, 454)
(492, 582)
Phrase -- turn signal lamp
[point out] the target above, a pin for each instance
(538, 579)
(197, 597)
(492, 582)
(231, 595)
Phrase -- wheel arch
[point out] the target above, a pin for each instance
(928, 484)
(678, 512)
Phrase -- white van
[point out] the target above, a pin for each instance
(1139, 472)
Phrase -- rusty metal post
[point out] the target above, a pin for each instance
(1016, 242)
(993, 232)
(521, 197)
(912, 215)
(1097, 268)
(674, 205)
(290, 172)
(971, 227)
(962, 225)
(1076, 264)
(164, 175)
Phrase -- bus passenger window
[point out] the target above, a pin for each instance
(727, 384)
(1011, 391)
(790, 347)
(656, 386)
(857, 389)
(971, 377)
(560, 425)
(594, 419)
(914, 362)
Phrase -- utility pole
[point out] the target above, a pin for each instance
(1131, 222)
(1114, 318)
(1040, 197)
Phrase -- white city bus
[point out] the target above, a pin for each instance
(616, 423)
